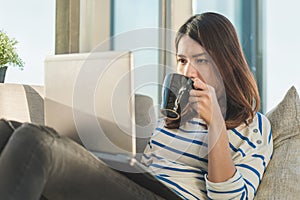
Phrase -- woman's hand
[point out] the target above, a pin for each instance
(204, 101)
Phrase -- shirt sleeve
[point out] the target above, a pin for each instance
(250, 167)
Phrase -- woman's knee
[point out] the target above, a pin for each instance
(31, 140)
(31, 134)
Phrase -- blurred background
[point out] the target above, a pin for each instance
(268, 30)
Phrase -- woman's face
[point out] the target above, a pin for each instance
(194, 62)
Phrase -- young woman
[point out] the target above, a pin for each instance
(218, 150)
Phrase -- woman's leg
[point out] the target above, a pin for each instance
(6, 130)
(36, 160)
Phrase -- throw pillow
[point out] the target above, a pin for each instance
(282, 177)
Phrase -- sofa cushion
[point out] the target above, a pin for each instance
(282, 177)
(22, 103)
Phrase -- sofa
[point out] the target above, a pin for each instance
(282, 177)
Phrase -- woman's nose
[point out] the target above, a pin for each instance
(190, 71)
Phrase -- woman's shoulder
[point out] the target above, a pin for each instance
(258, 131)
(259, 123)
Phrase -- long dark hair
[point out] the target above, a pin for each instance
(216, 34)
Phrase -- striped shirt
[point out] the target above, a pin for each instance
(178, 158)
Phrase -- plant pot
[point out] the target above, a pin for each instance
(2, 73)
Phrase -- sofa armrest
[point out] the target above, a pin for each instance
(24, 103)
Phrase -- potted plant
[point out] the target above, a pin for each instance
(8, 54)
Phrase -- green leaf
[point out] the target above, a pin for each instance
(8, 51)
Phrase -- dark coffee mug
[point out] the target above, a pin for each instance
(175, 95)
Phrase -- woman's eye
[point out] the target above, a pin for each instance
(181, 61)
(201, 61)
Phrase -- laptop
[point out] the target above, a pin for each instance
(90, 98)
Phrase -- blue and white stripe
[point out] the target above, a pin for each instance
(178, 158)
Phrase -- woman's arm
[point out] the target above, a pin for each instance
(204, 101)
(220, 164)
(227, 179)
(252, 148)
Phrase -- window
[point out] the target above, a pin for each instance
(247, 17)
(134, 26)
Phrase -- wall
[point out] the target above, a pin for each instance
(282, 48)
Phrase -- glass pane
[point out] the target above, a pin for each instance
(132, 20)
(246, 17)
(229, 8)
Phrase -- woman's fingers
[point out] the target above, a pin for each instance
(198, 95)
(203, 100)
(199, 85)
(199, 102)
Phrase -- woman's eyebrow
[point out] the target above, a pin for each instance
(180, 55)
(199, 54)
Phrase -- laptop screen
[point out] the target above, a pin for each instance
(89, 98)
